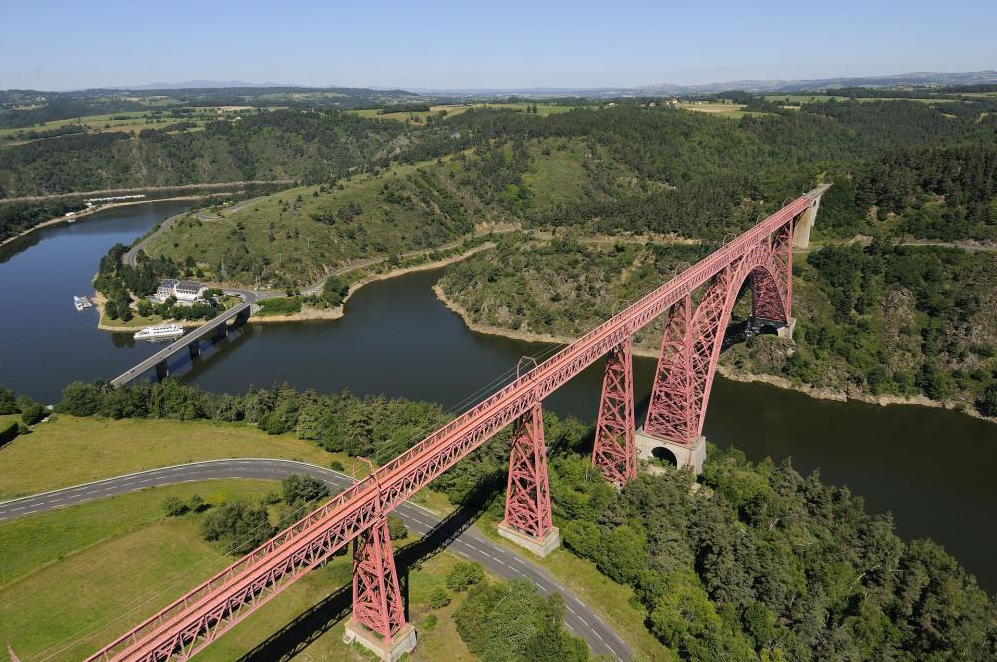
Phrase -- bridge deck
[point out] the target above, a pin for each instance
(181, 343)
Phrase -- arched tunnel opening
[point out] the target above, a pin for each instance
(664, 455)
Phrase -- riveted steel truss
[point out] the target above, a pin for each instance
(377, 600)
(527, 499)
(615, 450)
(692, 340)
(194, 620)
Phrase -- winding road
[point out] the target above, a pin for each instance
(455, 531)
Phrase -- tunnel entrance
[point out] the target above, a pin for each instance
(665, 456)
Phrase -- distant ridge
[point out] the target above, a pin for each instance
(752, 85)
(777, 85)
(203, 84)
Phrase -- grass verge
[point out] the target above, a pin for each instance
(69, 450)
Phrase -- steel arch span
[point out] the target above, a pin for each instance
(690, 349)
(693, 338)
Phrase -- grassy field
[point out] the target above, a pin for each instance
(732, 111)
(70, 575)
(86, 573)
(128, 122)
(820, 98)
(69, 451)
(543, 109)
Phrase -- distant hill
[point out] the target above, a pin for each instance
(752, 85)
(777, 85)
(202, 84)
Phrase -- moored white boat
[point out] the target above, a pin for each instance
(162, 332)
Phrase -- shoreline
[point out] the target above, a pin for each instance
(337, 312)
(306, 314)
(140, 189)
(96, 209)
(725, 371)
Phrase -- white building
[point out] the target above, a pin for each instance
(182, 290)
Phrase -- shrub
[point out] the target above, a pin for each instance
(8, 403)
(196, 503)
(31, 411)
(8, 432)
(81, 399)
(174, 507)
(303, 488)
(240, 526)
(396, 528)
(464, 575)
(988, 403)
(439, 598)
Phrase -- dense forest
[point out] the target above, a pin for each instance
(265, 145)
(16, 218)
(24, 108)
(758, 563)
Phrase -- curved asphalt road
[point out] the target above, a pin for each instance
(467, 543)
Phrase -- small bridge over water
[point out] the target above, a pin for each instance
(217, 327)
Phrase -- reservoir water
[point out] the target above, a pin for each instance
(931, 468)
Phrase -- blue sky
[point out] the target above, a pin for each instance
(442, 44)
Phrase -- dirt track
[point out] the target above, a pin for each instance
(140, 189)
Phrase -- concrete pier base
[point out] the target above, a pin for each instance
(162, 370)
(403, 642)
(782, 329)
(221, 330)
(195, 349)
(539, 546)
(786, 331)
(688, 457)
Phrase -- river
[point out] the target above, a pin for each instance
(931, 468)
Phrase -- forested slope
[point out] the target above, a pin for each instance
(279, 144)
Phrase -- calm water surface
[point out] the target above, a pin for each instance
(930, 468)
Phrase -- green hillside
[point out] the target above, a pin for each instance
(279, 144)
(296, 236)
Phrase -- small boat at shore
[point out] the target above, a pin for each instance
(162, 332)
(81, 302)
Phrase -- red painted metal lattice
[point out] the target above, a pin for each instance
(692, 341)
(615, 450)
(193, 621)
(527, 500)
(377, 599)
